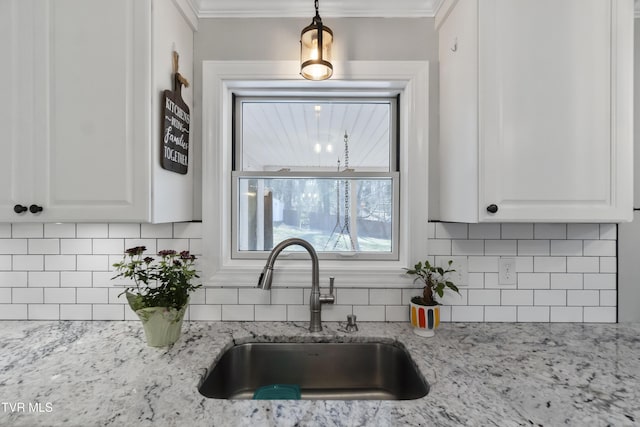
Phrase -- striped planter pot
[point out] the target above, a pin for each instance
(425, 319)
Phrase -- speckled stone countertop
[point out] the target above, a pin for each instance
(103, 374)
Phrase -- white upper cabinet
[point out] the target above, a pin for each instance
(83, 110)
(536, 112)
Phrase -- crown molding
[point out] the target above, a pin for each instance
(305, 9)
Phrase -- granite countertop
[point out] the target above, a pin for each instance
(102, 373)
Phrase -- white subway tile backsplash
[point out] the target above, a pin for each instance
(187, 230)
(483, 264)
(221, 296)
(108, 246)
(156, 231)
(396, 313)
(75, 312)
(608, 265)
(299, 313)
(549, 264)
(238, 312)
(334, 313)
(65, 271)
(550, 231)
(516, 297)
(76, 279)
(27, 296)
(583, 298)
(466, 247)
(116, 296)
(467, 313)
(500, 314)
(484, 231)
(287, 296)
(43, 311)
(533, 281)
(369, 313)
(517, 231)
(5, 231)
(583, 231)
(205, 312)
(13, 279)
(92, 263)
(500, 247)
(566, 314)
(600, 314)
(60, 296)
(108, 311)
(43, 279)
(600, 248)
(28, 262)
(125, 231)
(477, 281)
(93, 231)
(178, 245)
(253, 296)
(608, 232)
(549, 297)
(533, 247)
(440, 247)
(75, 246)
(13, 246)
(27, 230)
(53, 230)
(44, 246)
(346, 296)
(600, 281)
(270, 313)
(59, 262)
(566, 281)
(445, 230)
(566, 248)
(533, 314)
(5, 262)
(92, 295)
(583, 264)
(385, 297)
(13, 311)
(484, 297)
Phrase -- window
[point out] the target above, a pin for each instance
(352, 79)
(318, 168)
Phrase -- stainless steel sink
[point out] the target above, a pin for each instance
(328, 371)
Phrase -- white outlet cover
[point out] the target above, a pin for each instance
(460, 277)
(507, 271)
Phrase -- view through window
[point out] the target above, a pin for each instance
(324, 170)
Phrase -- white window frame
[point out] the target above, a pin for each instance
(391, 174)
(220, 79)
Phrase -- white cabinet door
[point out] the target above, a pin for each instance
(17, 103)
(553, 105)
(96, 152)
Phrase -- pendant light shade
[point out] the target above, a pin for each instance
(315, 50)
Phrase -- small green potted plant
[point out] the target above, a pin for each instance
(425, 313)
(161, 292)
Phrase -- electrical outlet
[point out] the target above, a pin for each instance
(507, 272)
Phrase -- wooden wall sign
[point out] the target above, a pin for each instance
(175, 125)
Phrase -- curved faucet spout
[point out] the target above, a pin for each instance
(316, 299)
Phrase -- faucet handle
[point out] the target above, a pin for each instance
(330, 298)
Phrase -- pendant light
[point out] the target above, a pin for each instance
(315, 50)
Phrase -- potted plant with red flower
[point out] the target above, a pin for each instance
(160, 294)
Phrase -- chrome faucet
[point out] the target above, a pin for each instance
(315, 324)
